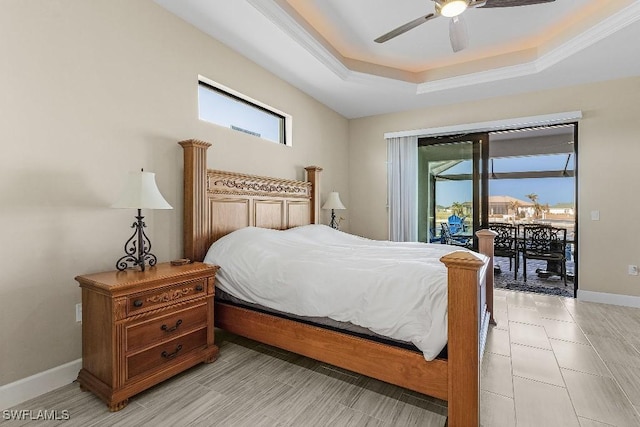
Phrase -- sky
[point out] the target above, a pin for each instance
(549, 190)
(225, 111)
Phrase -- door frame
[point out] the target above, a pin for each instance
(479, 175)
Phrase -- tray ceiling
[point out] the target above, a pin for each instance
(326, 48)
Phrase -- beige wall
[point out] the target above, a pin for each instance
(92, 90)
(609, 149)
(89, 91)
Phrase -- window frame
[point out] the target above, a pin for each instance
(285, 131)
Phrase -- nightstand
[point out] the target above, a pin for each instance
(141, 327)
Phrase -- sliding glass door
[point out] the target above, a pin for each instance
(452, 187)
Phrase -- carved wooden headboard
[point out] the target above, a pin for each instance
(217, 203)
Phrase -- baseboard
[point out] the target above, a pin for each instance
(615, 299)
(14, 393)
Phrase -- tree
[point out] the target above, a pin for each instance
(537, 208)
(457, 208)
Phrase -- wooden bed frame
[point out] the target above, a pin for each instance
(217, 203)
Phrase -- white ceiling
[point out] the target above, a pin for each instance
(326, 48)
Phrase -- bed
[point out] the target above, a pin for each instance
(218, 203)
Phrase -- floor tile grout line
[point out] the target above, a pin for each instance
(613, 377)
(498, 394)
(573, 405)
(533, 346)
(557, 320)
(525, 323)
(554, 356)
(498, 354)
(599, 422)
(586, 373)
(513, 388)
(541, 382)
(568, 341)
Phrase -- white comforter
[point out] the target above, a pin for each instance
(398, 290)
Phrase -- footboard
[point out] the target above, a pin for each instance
(469, 293)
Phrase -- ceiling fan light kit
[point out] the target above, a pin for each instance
(451, 8)
(458, 34)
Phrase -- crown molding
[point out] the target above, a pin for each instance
(479, 77)
(289, 21)
(603, 29)
(284, 17)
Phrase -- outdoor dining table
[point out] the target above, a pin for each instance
(553, 267)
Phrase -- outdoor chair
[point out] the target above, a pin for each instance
(456, 224)
(447, 239)
(505, 243)
(544, 242)
(432, 236)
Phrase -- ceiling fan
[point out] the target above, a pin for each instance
(453, 9)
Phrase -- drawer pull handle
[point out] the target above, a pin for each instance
(173, 328)
(199, 288)
(137, 303)
(171, 355)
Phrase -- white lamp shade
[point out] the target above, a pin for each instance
(141, 192)
(333, 201)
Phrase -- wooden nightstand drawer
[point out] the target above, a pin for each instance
(146, 301)
(162, 328)
(163, 353)
(140, 328)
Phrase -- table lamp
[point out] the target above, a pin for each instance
(333, 202)
(139, 192)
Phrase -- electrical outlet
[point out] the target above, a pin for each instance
(79, 312)
(633, 270)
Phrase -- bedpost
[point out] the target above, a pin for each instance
(463, 346)
(485, 246)
(313, 176)
(195, 222)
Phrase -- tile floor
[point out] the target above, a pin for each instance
(553, 361)
(549, 362)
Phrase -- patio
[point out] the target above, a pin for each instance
(552, 285)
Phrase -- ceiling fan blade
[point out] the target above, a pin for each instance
(404, 28)
(512, 3)
(458, 34)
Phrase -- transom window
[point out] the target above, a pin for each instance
(225, 107)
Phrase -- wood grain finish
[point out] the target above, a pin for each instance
(313, 177)
(485, 246)
(391, 364)
(218, 202)
(141, 334)
(140, 328)
(195, 225)
(463, 339)
(270, 202)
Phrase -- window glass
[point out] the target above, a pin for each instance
(553, 162)
(223, 108)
